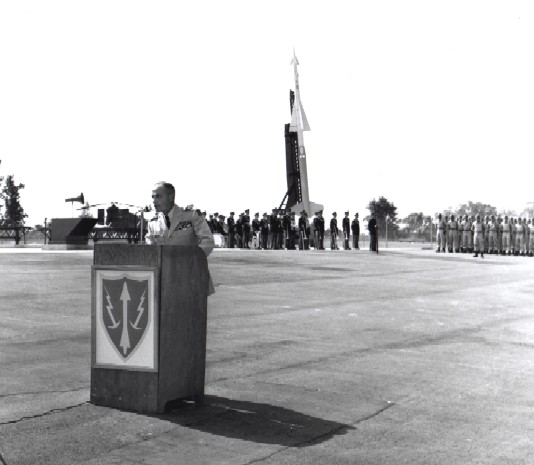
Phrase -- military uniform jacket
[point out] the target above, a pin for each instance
(187, 228)
(275, 224)
(371, 226)
(246, 223)
(303, 226)
(286, 222)
(355, 226)
(219, 227)
(346, 225)
(231, 225)
(333, 226)
(264, 225)
(318, 224)
(255, 225)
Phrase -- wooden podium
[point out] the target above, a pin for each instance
(148, 325)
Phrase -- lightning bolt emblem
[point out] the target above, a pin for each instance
(140, 311)
(109, 307)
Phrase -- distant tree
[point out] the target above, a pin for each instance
(416, 226)
(382, 208)
(472, 208)
(505, 212)
(14, 213)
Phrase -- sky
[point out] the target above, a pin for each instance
(429, 104)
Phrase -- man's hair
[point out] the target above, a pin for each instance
(167, 186)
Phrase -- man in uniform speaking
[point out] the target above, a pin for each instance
(174, 225)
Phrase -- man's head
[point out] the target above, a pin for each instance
(346, 214)
(163, 197)
(334, 214)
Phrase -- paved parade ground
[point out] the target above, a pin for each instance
(347, 357)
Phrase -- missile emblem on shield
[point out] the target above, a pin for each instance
(125, 313)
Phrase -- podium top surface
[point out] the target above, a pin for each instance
(145, 255)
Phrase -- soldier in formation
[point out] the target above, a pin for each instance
(334, 232)
(256, 234)
(355, 227)
(346, 231)
(281, 229)
(487, 234)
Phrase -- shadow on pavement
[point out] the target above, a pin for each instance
(252, 421)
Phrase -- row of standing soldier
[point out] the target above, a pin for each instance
(281, 230)
(494, 235)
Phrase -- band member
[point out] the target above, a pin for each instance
(318, 226)
(334, 232)
(346, 231)
(286, 226)
(264, 231)
(304, 231)
(239, 231)
(211, 224)
(256, 233)
(355, 226)
(293, 237)
(275, 230)
(246, 229)
(230, 222)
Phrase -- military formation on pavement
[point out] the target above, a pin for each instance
(476, 234)
(283, 230)
(490, 235)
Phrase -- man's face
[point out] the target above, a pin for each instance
(162, 200)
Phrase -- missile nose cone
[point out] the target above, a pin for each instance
(294, 61)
